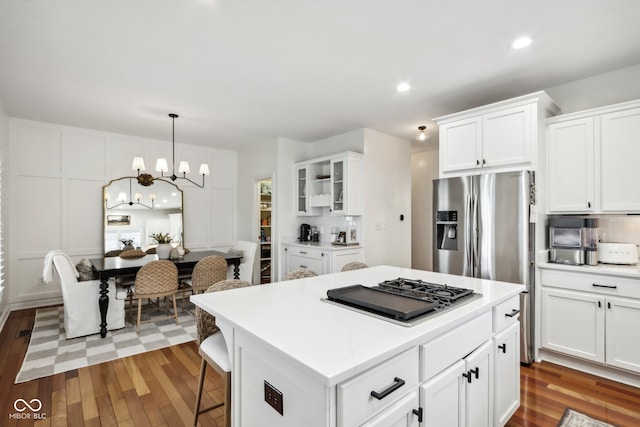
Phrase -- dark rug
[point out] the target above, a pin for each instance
(573, 418)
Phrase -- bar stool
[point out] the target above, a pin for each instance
(213, 349)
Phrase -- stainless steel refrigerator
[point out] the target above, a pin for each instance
(482, 229)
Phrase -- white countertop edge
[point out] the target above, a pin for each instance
(632, 271)
(380, 339)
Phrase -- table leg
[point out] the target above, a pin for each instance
(236, 271)
(103, 302)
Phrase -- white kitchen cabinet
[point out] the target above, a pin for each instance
(332, 184)
(463, 147)
(401, 414)
(321, 259)
(461, 395)
(313, 259)
(570, 156)
(589, 316)
(347, 184)
(506, 373)
(620, 153)
(573, 323)
(497, 137)
(622, 341)
(591, 158)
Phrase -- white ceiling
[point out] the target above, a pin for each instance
(240, 72)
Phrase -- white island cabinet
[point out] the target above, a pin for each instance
(336, 367)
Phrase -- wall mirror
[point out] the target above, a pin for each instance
(134, 212)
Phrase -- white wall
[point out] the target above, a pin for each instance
(4, 165)
(387, 239)
(55, 196)
(598, 91)
(424, 169)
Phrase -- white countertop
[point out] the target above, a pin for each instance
(632, 271)
(331, 342)
(322, 245)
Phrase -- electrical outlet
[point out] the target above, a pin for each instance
(273, 397)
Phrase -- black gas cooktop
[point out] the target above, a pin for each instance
(405, 301)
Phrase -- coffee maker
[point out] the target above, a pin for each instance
(305, 233)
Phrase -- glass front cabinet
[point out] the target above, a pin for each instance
(332, 184)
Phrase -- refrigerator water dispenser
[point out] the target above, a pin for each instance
(446, 230)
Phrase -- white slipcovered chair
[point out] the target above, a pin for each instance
(80, 298)
(247, 265)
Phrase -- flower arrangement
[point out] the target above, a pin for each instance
(126, 242)
(161, 237)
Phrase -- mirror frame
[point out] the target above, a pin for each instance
(135, 179)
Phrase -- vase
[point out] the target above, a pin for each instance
(164, 250)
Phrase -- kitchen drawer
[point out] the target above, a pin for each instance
(305, 252)
(506, 313)
(596, 283)
(355, 401)
(456, 344)
(313, 264)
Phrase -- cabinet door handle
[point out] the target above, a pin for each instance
(484, 162)
(303, 252)
(477, 162)
(475, 371)
(303, 266)
(503, 347)
(597, 285)
(608, 305)
(599, 304)
(513, 313)
(418, 412)
(397, 383)
(588, 204)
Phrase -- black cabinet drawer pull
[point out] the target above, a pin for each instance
(303, 252)
(513, 313)
(303, 266)
(397, 383)
(503, 347)
(597, 285)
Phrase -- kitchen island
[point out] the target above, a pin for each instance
(326, 360)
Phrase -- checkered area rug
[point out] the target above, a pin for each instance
(50, 352)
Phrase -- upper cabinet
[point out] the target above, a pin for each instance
(332, 184)
(592, 158)
(493, 138)
(571, 166)
(620, 152)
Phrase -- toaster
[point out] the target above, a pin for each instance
(617, 253)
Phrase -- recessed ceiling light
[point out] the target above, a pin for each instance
(403, 87)
(520, 43)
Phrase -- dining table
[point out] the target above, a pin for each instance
(110, 267)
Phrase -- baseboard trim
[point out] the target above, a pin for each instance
(593, 368)
(35, 304)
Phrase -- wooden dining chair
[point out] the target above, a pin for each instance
(207, 271)
(156, 279)
(213, 349)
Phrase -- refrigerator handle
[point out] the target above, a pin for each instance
(468, 209)
(474, 235)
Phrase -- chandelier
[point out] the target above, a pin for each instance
(122, 199)
(146, 179)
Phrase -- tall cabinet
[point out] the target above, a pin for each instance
(264, 225)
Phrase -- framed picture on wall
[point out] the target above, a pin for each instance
(118, 220)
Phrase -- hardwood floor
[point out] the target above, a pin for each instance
(158, 389)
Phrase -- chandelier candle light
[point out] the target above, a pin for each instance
(146, 179)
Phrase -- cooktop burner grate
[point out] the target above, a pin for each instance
(442, 293)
